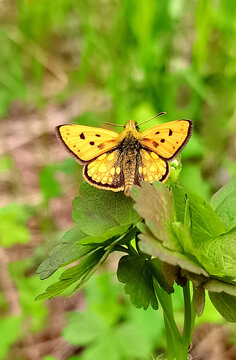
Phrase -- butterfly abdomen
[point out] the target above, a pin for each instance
(130, 148)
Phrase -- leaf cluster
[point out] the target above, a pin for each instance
(104, 221)
(168, 234)
(194, 240)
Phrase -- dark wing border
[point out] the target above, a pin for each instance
(99, 185)
(59, 138)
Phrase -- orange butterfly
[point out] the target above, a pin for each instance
(118, 161)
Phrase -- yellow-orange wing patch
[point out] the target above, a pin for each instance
(167, 139)
(86, 143)
(105, 172)
(151, 167)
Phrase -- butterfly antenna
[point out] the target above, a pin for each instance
(108, 123)
(160, 114)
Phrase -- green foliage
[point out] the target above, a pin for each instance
(99, 328)
(11, 327)
(49, 184)
(158, 214)
(12, 81)
(220, 254)
(36, 313)
(136, 273)
(90, 210)
(97, 211)
(197, 183)
(178, 227)
(206, 248)
(224, 203)
(155, 206)
(225, 304)
(204, 221)
(13, 227)
(76, 274)
(66, 252)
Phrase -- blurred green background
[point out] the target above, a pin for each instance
(88, 62)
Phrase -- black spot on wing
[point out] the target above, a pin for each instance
(82, 136)
(190, 128)
(60, 139)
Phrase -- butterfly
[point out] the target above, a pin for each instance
(115, 161)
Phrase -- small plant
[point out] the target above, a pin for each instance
(168, 235)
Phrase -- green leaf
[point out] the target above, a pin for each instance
(102, 293)
(99, 331)
(154, 204)
(219, 254)
(225, 304)
(218, 286)
(13, 85)
(83, 328)
(49, 185)
(158, 274)
(27, 288)
(77, 273)
(205, 223)
(139, 346)
(183, 237)
(150, 245)
(65, 253)
(84, 266)
(224, 203)
(13, 228)
(106, 347)
(107, 235)
(136, 273)
(200, 186)
(97, 211)
(10, 332)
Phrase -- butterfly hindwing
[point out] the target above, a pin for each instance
(167, 139)
(150, 167)
(105, 172)
(86, 143)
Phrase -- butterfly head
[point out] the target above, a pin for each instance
(131, 125)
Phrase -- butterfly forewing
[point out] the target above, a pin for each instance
(167, 139)
(105, 172)
(85, 142)
(151, 167)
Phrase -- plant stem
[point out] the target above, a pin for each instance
(189, 315)
(176, 349)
